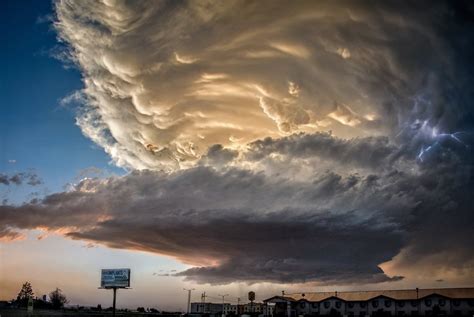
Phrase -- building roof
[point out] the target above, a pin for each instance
(409, 294)
(283, 298)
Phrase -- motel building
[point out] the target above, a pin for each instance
(415, 302)
(211, 309)
(227, 309)
(245, 309)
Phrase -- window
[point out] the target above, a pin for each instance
(428, 302)
(338, 304)
(388, 303)
(401, 304)
(351, 305)
(303, 305)
(456, 303)
(414, 303)
(471, 302)
(375, 303)
(327, 304)
(315, 305)
(442, 302)
(362, 305)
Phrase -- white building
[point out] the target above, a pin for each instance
(209, 308)
(414, 302)
(249, 308)
(254, 308)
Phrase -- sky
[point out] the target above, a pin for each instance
(235, 146)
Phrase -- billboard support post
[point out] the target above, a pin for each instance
(113, 305)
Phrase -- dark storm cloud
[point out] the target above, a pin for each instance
(217, 155)
(29, 178)
(239, 225)
(265, 248)
(234, 222)
(371, 152)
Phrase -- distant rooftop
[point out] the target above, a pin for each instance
(407, 294)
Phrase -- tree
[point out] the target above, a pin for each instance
(25, 293)
(57, 298)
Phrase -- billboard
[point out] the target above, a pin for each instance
(115, 278)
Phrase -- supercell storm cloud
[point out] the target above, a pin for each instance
(165, 82)
(302, 141)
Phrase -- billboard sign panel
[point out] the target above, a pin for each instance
(115, 278)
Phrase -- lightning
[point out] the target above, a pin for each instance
(438, 138)
(452, 136)
(424, 150)
(422, 129)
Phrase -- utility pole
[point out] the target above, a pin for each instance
(203, 297)
(189, 298)
(223, 302)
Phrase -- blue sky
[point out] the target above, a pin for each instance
(36, 131)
